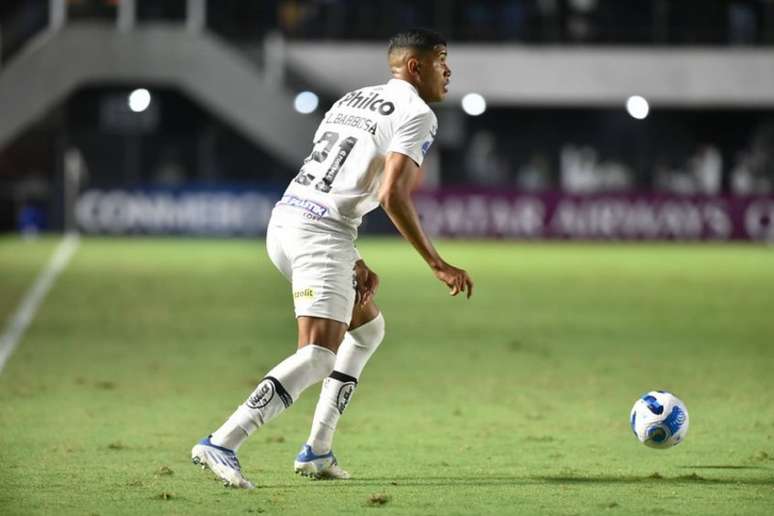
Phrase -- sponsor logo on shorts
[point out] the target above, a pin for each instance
(345, 394)
(262, 395)
(307, 293)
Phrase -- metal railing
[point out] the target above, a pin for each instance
(21, 25)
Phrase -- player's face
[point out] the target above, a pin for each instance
(435, 74)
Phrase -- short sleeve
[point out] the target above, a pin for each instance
(414, 137)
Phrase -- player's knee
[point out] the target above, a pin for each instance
(327, 365)
(320, 360)
(363, 314)
(370, 334)
(379, 327)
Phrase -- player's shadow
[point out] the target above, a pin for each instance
(414, 482)
(504, 480)
(692, 478)
(721, 466)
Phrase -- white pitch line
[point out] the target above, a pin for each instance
(18, 323)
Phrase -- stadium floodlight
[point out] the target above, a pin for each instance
(473, 104)
(139, 100)
(306, 102)
(637, 107)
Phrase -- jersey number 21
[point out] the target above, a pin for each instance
(320, 154)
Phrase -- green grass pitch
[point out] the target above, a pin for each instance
(515, 402)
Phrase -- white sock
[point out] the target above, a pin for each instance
(354, 352)
(278, 390)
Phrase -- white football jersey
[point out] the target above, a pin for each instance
(339, 181)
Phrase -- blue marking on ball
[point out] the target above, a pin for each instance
(675, 420)
(653, 404)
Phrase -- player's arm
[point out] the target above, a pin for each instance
(400, 173)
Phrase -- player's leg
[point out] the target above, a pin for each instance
(323, 332)
(364, 336)
(281, 386)
(319, 337)
(297, 256)
(284, 383)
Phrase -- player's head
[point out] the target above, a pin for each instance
(419, 57)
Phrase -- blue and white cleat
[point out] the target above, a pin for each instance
(221, 461)
(309, 464)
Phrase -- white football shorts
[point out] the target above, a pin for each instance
(320, 267)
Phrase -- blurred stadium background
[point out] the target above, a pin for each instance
(582, 119)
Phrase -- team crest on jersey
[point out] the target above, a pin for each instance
(426, 146)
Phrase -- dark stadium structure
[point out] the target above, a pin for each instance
(222, 77)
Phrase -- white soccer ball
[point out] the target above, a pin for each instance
(659, 419)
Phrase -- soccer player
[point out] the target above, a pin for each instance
(367, 152)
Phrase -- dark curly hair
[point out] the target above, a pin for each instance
(422, 40)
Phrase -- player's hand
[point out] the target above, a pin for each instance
(367, 281)
(456, 279)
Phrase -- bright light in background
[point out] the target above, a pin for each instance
(139, 100)
(637, 107)
(473, 104)
(306, 102)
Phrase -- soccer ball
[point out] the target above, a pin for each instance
(659, 419)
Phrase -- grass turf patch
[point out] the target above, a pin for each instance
(516, 401)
